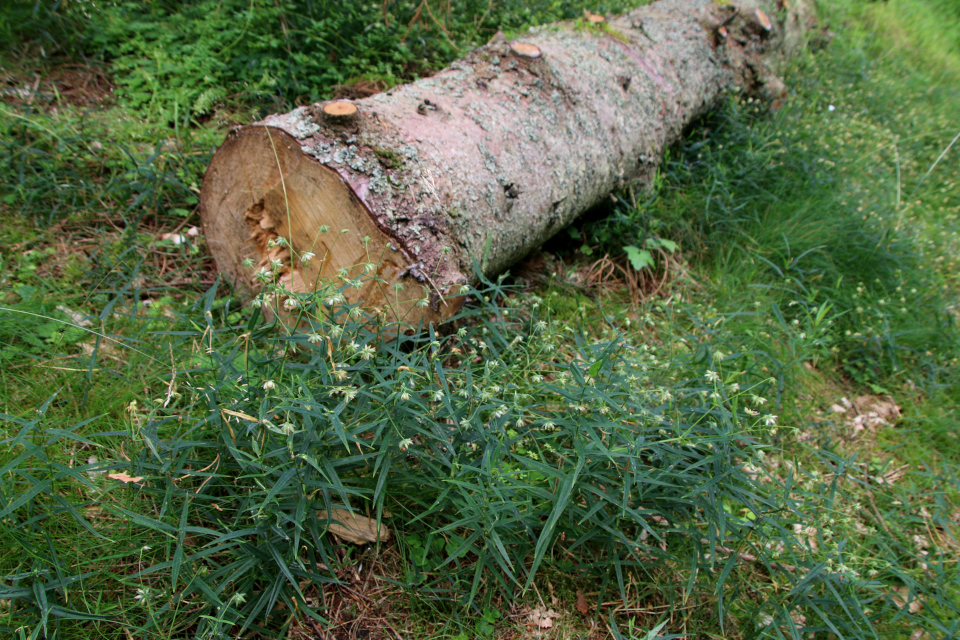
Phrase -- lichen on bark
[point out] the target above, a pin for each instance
(499, 151)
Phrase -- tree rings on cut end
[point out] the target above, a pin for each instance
(764, 20)
(525, 49)
(339, 111)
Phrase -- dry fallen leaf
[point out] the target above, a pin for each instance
(806, 534)
(76, 317)
(240, 414)
(124, 477)
(582, 605)
(872, 412)
(902, 598)
(543, 619)
(884, 407)
(354, 528)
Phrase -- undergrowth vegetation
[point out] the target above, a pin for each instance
(739, 423)
(172, 58)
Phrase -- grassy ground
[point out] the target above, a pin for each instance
(755, 436)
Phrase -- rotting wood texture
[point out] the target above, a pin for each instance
(483, 162)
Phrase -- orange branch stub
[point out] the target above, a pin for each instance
(525, 49)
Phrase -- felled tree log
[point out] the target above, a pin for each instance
(483, 162)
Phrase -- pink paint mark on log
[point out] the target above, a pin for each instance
(647, 66)
(360, 184)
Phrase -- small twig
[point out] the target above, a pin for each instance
(936, 162)
(316, 629)
(390, 626)
(33, 91)
(173, 378)
(876, 514)
(896, 157)
(416, 16)
(440, 24)
(749, 557)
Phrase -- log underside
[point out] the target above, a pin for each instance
(484, 161)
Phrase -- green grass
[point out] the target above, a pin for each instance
(554, 440)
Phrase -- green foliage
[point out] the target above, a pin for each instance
(489, 477)
(509, 445)
(172, 58)
(649, 452)
(44, 29)
(52, 167)
(750, 194)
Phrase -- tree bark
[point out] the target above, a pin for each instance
(483, 162)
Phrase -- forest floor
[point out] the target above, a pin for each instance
(723, 408)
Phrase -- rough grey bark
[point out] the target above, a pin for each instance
(493, 155)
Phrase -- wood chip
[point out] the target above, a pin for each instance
(525, 49)
(764, 20)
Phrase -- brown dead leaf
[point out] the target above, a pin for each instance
(884, 408)
(902, 598)
(806, 534)
(872, 413)
(124, 477)
(582, 605)
(354, 528)
(543, 618)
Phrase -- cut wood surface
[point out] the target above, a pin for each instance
(483, 162)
